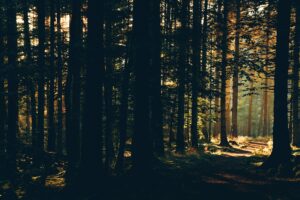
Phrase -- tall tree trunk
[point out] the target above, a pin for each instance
(142, 139)
(59, 81)
(91, 158)
(73, 136)
(281, 152)
(156, 104)
(296, 121)
(217, 127)
(109, 146)
(51, 129)
(197, 8)
(266, 97)
(41, 82)
(12, 89)
(224, 141)
(235, 84)
(181, 76)
(31, 80)
(124, 111)
(3, 113)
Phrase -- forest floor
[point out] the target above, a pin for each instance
(216, 173)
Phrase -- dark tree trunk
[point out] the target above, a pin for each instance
(51, 129)
(59, 81)
(91, 158)
(109, 146)
(196, 67)
(183, 40)
(296, 122)
(12, 89)
(142, 138)
(41, 80)
(224, 141)
(29, 61)
(123, 112)
(235, 85)
(73, 137)
(3, 113)
(156, 104)
(281, 152)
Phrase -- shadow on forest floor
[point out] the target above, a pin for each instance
(216, 173)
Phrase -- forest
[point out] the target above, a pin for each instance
(149, 99)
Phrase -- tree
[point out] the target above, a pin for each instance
(3, 113)
(12, 120)
(296, 122)
(59, 81)
(91, 159)
(235, 85)
(224, 141)
(51, 128)
(142, 140)
(281, 152)
(73, 135)
(196, 67)
(156, 100)
(41, 81)
(182, 65)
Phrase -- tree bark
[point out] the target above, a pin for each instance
(235, 84)
(281, 152)
(296, 121)
(224, 141)
(12, 89)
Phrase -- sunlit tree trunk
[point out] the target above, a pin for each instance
(12, 120)
(249, 129)
(265, 95)
(224, 141)
(235, 84)
(281, 152)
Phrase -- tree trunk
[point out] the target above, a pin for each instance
(51, 129)
(224, 141)
(249, 129)
(3, 114)
(12, 89)
(281, 152)
(235, 84)
(296, 122)
(109, 146)
(92, 143)
(142, 140)
(197, 8)
(181, 76)
(156, 104)
(41, 82)
(73, 135)
(59, 81)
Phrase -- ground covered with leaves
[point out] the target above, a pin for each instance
(214, 173)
